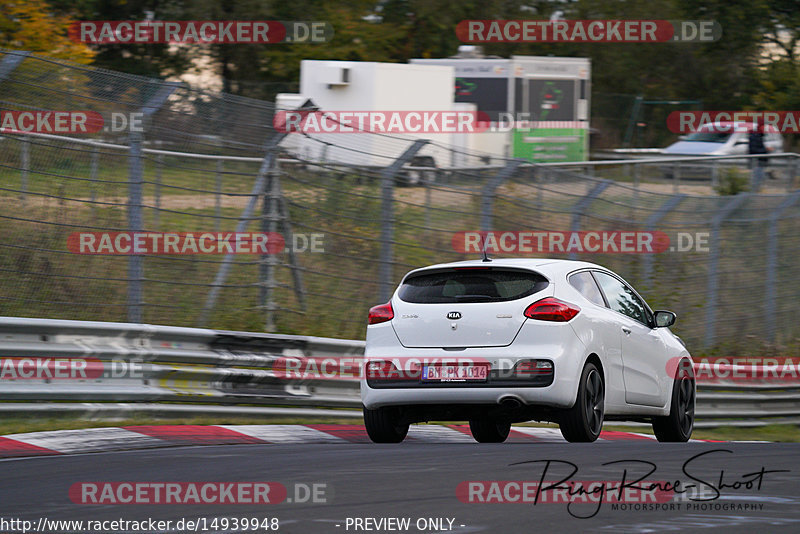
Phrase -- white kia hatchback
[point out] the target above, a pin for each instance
(501, 341)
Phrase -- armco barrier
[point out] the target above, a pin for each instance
(146, 363)
(177, 371)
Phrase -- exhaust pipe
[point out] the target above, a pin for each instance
(510, 403)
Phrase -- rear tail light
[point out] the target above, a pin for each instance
(381, 314)
(528, 368)
(551, 309)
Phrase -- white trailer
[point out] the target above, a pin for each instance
(374, 87)
(553, 92)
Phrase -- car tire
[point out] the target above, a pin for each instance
(584, 421)
(489, 430)
(678, 425)
(383, 425)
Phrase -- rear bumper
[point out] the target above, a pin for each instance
(555, 342)
(375, 398)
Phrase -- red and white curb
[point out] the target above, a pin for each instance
(150, 437)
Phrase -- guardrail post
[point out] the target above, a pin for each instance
(772, 264)
(580, 207)
(637, 106)
(218, 197)
(650, 225)
(93, 176)
(490, 191)
(713, 265)
(135, 220)
(387, 218)
(270, 148)
(676, 178)
(286, 228)
(634, 168)
(11, 60)
(714, 174)
(25, 162)
(157, 190)
(135, 224)
(756, 175)
(427, 185)
(541, 175)
(266, 267)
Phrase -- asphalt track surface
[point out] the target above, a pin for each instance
(418, 480)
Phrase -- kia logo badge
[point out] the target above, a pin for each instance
(454, 315)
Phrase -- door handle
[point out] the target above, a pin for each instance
(626, 330)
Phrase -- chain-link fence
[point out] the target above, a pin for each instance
(624, 120)
(207, 162)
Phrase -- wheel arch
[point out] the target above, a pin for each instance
(674, 379)
(595, 359)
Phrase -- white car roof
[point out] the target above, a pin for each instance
(546, 266)
(731, 127)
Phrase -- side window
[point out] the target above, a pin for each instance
(621, 298)
(587, 287)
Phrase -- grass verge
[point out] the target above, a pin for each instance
(776, 433)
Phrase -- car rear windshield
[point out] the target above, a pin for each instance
(486, 284)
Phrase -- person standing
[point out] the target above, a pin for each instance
(755, 145)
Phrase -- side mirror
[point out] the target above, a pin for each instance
(664, 318)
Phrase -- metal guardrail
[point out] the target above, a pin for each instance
(145, 363)
(177, 371)
(649, 156)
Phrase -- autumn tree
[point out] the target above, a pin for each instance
(34, 25)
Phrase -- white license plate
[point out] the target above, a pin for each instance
(455, 373)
